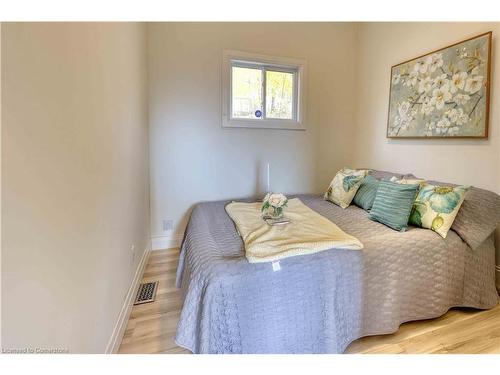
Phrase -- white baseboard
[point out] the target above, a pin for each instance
(166, 242)
(121, 324)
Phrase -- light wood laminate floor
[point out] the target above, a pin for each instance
(151, 327)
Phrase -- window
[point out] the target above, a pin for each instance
(262, 91)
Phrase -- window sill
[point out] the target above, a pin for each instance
(264, 124)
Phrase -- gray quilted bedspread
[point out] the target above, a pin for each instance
(320, 303)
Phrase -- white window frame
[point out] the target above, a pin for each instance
(265, 63)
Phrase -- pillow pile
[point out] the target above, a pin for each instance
(399, 201)
(344, 186)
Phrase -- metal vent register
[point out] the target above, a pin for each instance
(146, 293)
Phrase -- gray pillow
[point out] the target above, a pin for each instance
(478, 217)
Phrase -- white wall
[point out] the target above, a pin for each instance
(193, 159)
(74, 180)
(381, 45)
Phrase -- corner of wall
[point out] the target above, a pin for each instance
(166, 242)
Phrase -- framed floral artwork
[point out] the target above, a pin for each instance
(443, 94)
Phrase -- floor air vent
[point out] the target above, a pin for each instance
(146, 293)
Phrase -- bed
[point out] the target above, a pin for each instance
(322, 302)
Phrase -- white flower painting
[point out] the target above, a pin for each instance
(442, 94)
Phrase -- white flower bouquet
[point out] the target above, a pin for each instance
(274, 204)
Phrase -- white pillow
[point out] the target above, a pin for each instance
(408, 181)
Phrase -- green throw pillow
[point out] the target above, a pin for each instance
(393, 203)
(366, 193)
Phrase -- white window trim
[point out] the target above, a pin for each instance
(284, 62)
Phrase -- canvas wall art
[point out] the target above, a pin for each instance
(443, 94)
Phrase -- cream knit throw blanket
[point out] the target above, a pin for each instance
(307, 233)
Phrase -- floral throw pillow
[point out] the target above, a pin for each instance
(344, 186)
(436, 207)
(408, 181)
